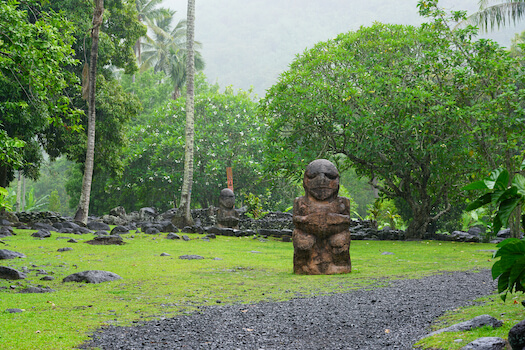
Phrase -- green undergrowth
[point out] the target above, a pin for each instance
(235, 270)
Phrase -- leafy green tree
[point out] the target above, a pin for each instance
(36, 49)
(227, 134)
(496, 119)
(115, 109)
(398, 103)
(120, 28)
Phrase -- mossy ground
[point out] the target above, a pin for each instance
(235, 270)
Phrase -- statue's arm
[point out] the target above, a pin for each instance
(298, 211)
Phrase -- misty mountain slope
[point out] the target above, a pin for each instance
(249, 43)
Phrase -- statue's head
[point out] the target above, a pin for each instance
(227, 199)
(321, 180)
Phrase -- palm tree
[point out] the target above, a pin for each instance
(165, 50)
(190, 119)
(83, 205)
(147, 11)
(498, 13)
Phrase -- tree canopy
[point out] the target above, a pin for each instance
(396, 103)
(35, 50)
(227, 134)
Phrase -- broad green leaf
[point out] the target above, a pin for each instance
(503, 282)
(478, 185)
(491, 180)
(497, 269)
(519, 182)
(481, 201)
(505, 210)
(510, 246)
(505, 242)
(503, 180)
(515, 272)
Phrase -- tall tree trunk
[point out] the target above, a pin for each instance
(185, 200)
(83, 205)
(18, 192)
(23, 207)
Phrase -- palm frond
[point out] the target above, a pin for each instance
(501, 14)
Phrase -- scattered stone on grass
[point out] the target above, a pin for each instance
(42, 233)
(9, 273)
(72, 240)
(476, 322)
(96, 226)
(9, 254)
(164, 254)
(151, 231)
(172, 235)
(119, 230)
(92, 276)
(64, 249)
(47, 278)
(107, 240)
(6, 231)
(191, 257)
(14, 311)
(185, 238)
(486, 343)
(37, 290)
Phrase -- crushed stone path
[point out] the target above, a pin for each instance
(392, 317)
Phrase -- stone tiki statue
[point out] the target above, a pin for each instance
(321, 237)
(227, 216)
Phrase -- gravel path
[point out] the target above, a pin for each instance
(392, 317)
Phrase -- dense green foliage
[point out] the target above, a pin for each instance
(119, 32)
(36, 48)
(414, 107)
(227, 134)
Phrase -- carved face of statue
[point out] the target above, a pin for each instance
(321, 180)
(227, 199)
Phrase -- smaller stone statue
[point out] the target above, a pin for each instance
(227, 216)
(321, 237)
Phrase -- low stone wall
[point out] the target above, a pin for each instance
(273, 224)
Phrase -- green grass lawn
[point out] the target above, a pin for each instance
(235, 270)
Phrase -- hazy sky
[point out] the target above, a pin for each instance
(236, 29)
